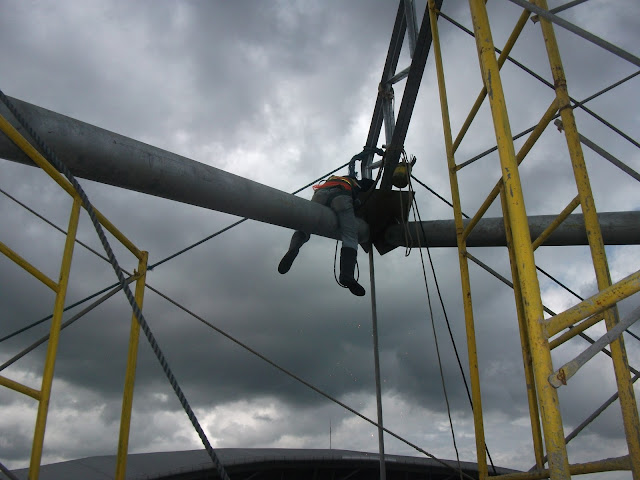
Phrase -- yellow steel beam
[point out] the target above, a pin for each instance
(42, 162)
(28, 267)
(130, 376)
(52, 346)
(595, 304)
(542, 365)
(18, 387)
(462, 248)
(631, 419)
(606, 465)
(534, 412)
(517, 30)
(556, 223)
(522, 153)
(24, 145)
(118, 234)
(572, 332)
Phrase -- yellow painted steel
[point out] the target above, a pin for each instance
(462, 248)
(595, 304)
(52, 346)
(44, 395)
(501, 59)
(556, 222)
(542, 365)
(28, 267)
(34, 155)
(628, 403)
(522, 153)
(39, 160)
(606, 465)
(118, 234)
(576, 330)
(130, 376)
(18, 387)
(534, 413)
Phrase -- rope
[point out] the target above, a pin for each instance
(408, 239)
(376, 365)
(301, 380)
(435, 334)
(170, 257)
(244, 346)
(62, 168)
(335, 275)
(444, 310)
(548, 275)
(149, 268)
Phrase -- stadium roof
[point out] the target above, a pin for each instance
(258, 463)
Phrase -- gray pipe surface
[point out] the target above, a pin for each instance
(618, 228)
(97, 154)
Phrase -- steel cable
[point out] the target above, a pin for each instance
(62, 168)
(548, 275)
(435, 339)
(226, 335)
(301, 380)
(149, 268)
(444, 311)
(577, 104)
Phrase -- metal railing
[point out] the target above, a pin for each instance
(43, 395)
(535, 331)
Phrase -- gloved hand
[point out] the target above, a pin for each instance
(366, 184)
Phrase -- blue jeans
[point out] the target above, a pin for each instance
(339, 201)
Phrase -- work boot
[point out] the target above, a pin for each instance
(347, 267)
(297, 240)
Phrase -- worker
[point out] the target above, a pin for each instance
(339, 194)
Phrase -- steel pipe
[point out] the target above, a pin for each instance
(618, 228)
(97, 154)
(103, 156)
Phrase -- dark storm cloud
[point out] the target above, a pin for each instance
(283, 92)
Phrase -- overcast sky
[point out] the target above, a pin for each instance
(282, 92)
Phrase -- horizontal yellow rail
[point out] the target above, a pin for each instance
(595, 304)
(606, 465)
(39, 160)
(483, 94)
(556, 222)
(524, 150)
(577, 330)
(28, 267)
(18, 387)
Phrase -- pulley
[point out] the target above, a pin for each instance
(402, 172)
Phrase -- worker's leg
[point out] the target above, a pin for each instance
(343, 206)
(299, 238)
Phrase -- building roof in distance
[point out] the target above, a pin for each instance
(268, 462)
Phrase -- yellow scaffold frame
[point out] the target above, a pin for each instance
(60, 288)
(535, 331)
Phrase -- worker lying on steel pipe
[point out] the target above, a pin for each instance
(337, 193)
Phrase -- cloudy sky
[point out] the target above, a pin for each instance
(282, 92)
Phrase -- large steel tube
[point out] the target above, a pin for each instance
(618, 228)
(97, 154)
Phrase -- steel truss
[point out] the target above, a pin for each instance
(43, 395)
(535, 331)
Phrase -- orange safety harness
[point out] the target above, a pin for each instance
(345, 183)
